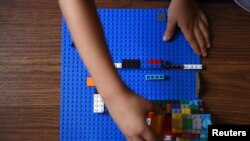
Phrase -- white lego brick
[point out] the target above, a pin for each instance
(98, 104)
(118, 65)
(192, 66)
(148, 120)
(167, 138)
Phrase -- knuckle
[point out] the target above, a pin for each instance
(191, 38)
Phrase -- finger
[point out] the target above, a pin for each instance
(148, 135)
(189, 35)
(169, 31)
(205, 33)
(201, 40)
(204, 19)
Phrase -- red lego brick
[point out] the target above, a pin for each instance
(154, 61)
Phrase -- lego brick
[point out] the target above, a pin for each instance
(154, 61)
(198, 85)
(98, 104)
(176, 106)
(205, 123)
(174, 66)
(90, 82)
(131, 63)
(177, 123)
(187, 123)
(168, 108)
(184, 106)
(186, 111)
(118, 65)
(176, 111)
(155, 77)
(192, 66)
(167, 138)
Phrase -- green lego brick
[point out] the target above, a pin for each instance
(187, 123)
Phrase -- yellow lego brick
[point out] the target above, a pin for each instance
(186, 111)
(183, 111)
(176, 116)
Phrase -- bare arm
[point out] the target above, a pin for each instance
(86, 30)
(126, 108)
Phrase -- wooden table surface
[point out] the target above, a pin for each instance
(30, 47)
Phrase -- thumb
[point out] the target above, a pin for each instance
(169, 31)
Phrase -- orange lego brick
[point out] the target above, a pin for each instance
(168, 108)
(90, 82)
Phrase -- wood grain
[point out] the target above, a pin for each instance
(30, 47)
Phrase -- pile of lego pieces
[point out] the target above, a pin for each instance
(183, 121)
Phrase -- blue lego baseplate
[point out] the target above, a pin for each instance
(130, 34)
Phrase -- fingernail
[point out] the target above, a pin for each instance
(165, 38)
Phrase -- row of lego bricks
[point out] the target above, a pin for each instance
(155, 64)
(181, 106)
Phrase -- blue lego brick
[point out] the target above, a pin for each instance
(130, 34)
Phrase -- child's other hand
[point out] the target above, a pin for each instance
(192, 22)
(129, 112)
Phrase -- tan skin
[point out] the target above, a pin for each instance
(127, 109)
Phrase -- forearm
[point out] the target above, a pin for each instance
(86, 30)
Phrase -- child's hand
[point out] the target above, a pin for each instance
(129, 112)
(192, 22)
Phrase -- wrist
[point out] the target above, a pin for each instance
(115, 93)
